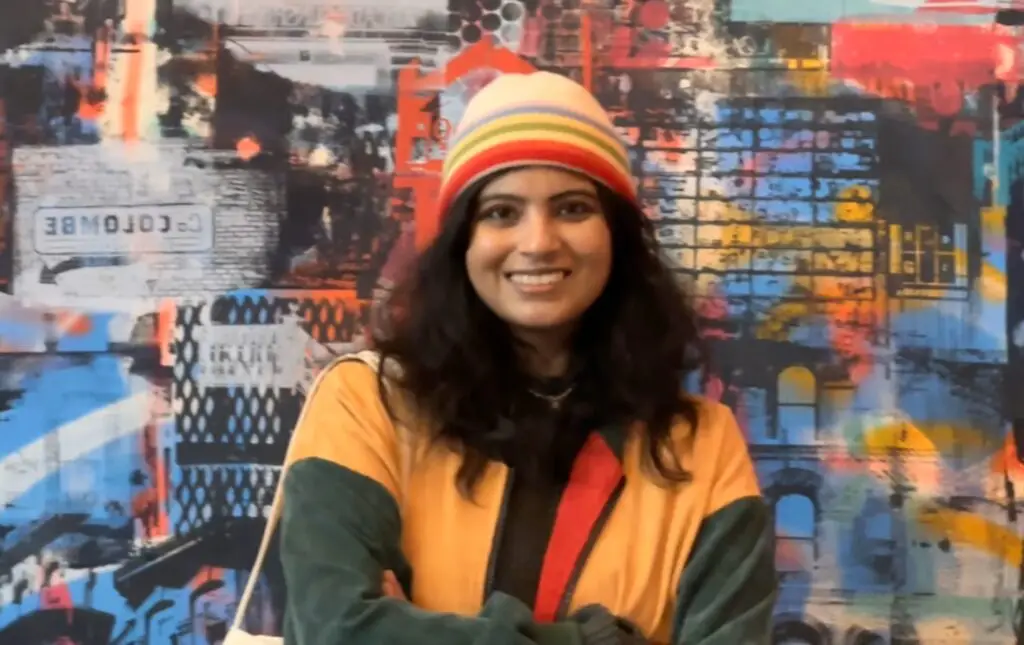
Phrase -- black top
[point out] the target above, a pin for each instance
(532, 503)
(529, 519)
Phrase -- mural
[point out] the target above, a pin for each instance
(200, 201)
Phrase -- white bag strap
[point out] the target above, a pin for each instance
(372, 359)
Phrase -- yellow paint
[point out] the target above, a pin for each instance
(797, 385)
(993, 220)
(927, 438)
(856, 210)
(881, 440)
(808, 75)
(781, 318)
(966, 529)
(737, 234)
(804, 63)
(993, 283)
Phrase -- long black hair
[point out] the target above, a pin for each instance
(461, 365)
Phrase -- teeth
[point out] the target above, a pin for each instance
(537, 278)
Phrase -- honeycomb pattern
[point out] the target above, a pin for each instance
(469, 21)
(231, 439)
(242, 419)
(333, 320)
(217, 492)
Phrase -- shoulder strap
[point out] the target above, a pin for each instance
(372, 359)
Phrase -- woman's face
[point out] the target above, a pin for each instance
(540, 250)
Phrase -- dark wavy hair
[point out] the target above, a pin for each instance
(461, 365)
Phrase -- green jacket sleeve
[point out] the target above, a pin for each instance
(340, 531)
(728, 588)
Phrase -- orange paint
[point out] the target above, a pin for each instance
(587, 51)
(73, 324)
(149, 505)
(206, 84)
(166, 314)
(130, 101)
(90, 105)
(206, 574)
(247, 148)
(137, 15)
(1008, 461)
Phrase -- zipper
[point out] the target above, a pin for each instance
(577, 570)
(499, 531)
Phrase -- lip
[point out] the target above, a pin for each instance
(540, 288)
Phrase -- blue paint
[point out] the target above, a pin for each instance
(114, 464)
(791, 212)
(951, 327)
(18, 335)
(95, 339)
(827, 11)
(105, 597)
(57, 393)
(771, 286)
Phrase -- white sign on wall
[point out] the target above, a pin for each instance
(260, 356)
(248, 356)
(142, 220)
(116, 230)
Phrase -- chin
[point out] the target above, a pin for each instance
(539, 323)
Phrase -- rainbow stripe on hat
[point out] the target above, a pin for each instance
(534, 119)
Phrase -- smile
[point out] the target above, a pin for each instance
(534, 281)
(536, 277)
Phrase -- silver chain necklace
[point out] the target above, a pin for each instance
(554, 400)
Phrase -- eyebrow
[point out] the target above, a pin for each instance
(575, 192)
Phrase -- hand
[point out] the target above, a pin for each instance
(391, 588)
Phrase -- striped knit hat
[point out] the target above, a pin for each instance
(534, 119)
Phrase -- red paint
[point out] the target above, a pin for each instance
(595, 475)
(56, 595)
(415, 92)
(930, 67)
(963, 56)
(654, 14)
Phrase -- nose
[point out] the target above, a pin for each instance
(538, 232)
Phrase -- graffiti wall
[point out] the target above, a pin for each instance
(200, 201)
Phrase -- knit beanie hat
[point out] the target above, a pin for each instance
(534, 119)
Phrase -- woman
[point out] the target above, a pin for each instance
(524, 467)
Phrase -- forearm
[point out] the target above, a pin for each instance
(334, 561)
(728, 588)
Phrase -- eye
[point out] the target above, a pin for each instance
(577, 209)
(499, 213)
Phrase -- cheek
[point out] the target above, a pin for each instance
(483, 258)
(597, 253)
